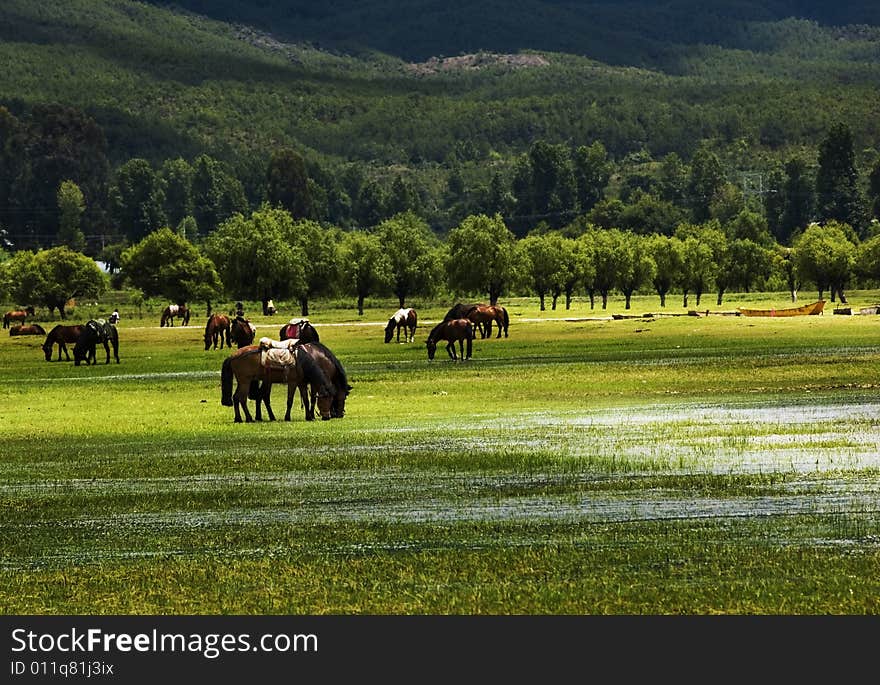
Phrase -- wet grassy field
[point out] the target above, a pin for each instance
(680, 464)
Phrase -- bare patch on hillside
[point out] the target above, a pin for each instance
(481, 60)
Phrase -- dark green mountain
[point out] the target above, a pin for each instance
(420, 88)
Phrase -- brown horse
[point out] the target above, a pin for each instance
(172, 311)
(456, 330)
(242, 332)
(245, 366)
(217, 330)
(17, 315)
(31, 329)
(405, 320)
(338, 379)
(483, 315)
(300, 329)
(62, 336)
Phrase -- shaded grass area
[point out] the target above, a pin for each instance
(671, 465)
(714, 566)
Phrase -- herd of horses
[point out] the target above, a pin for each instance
(297, 359)
(85, 339)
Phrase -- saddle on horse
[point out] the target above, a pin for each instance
(279, 354)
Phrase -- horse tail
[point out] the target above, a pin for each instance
(470, 338)
(226, 382)
(506, 319)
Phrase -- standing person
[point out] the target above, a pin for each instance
(114, 317)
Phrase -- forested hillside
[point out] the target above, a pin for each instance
(378, 104)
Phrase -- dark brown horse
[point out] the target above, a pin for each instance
(336, 375)
(17, 315)
(453, 331)
(172, 311)
(30, 329)
(301, 329)
(62, 336)
(483, 315)
(95, 332)
(242, 332)
(246, 367)
(217, 331)
(405, 320)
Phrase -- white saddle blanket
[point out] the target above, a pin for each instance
(278, 353)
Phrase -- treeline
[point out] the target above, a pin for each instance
(57, 186)
(270, 255)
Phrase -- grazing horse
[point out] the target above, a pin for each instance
(242, 332)
(456, 330)
(336, 375)
(405, 320)
(247, 367)
(62, 335)
(31, 329)
(18, 315)
(172, 311)
(300, 329)
(93, 332)
(217, 330)
(483, 315)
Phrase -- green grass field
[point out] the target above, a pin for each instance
(583, 465)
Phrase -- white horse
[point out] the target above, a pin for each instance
(405, 319)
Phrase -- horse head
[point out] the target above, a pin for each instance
(431, 344)
(324, 402)
(389, 329)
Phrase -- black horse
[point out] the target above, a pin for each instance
(94, 332)
(300, 329)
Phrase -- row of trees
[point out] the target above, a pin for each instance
(269, 254)
(56, 187)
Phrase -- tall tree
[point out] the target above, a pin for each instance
(837, 180)
(705, 180)
(217, 195)
(543, 263)
(826, 256)
(364, 265)
(592, 171)
(412, 251)
(137, 199)
(167, 265)
(254, 256)
(177, 178)
(666, 253)
(71, 206)
(320, 265)
(482, 256)
(287, 183)
(635, 266)
(874, 189)
(799, 196)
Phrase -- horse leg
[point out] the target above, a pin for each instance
(107, 350)
(307, 401)
(291, 391)
(242, 399)
(265, 398)
(451, 349)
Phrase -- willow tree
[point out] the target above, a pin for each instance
(482, 257)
